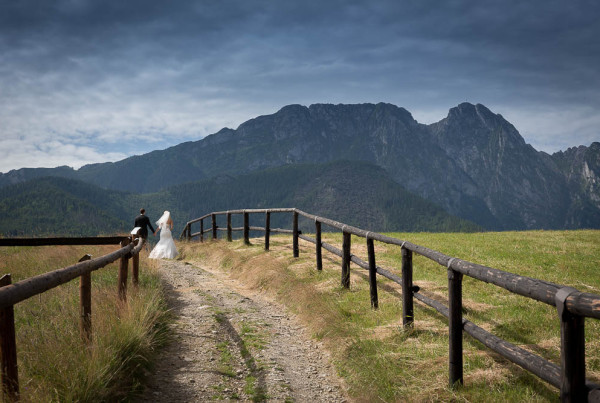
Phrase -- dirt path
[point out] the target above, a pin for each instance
(233, 344)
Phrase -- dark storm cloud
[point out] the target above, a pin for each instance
(89, 73)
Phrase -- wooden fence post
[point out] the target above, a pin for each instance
(85, 303)
(407, 288)
(8, 349)
(346, 259)
(319, 245)
(295, 234)
(202, 230)
(189, 231)
(135, 264)
(267, 229)
(246, 229)
(229, 237)
(572, 350)
(123, 267)
(213, 218)
(372, 273)
(455, 328)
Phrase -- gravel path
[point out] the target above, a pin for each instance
(233, 344)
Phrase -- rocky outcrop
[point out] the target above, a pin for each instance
(581, 168)
(473, 163)
(520, 187)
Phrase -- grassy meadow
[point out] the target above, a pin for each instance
(378, 359)
(54, 363)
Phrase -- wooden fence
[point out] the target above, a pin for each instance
(572, 305)
(11, 294)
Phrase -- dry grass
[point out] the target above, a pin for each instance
(54, 363)
(382, 362)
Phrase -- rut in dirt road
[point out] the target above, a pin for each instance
(232, 344)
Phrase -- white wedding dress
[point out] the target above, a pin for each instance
(165, 248)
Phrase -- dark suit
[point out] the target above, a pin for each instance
(143, 222)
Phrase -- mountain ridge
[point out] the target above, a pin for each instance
(72, 207)
(473, 163)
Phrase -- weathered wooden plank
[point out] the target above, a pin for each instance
(27, 288)
(584, 304)
(281, 231)
(593, 394)
(355, 259)
(237, 229)
(540, 367)
(258, 211)
(581, 303)
(199, 218)
(332, 249)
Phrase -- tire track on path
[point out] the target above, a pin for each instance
(232, 344)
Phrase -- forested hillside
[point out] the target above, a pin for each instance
(358, 194)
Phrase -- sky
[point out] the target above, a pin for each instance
(85, 81)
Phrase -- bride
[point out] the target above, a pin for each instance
(165, 248)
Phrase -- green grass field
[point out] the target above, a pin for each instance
(54, 363)
(378, 359)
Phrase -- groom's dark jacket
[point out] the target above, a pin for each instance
(143, 222)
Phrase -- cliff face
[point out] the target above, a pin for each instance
(581, 169)
(473, 163)
(520, 187)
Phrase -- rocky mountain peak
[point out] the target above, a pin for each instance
(293, 109)
(469, 125)
(475, 115)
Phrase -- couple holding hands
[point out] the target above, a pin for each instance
(165, 248)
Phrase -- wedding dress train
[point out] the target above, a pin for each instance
(165, 248)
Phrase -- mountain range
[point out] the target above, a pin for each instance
(53, 205)
(473, 164)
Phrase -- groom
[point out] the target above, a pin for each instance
(143, 222)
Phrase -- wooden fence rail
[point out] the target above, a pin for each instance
(11, 294)
(572, 305)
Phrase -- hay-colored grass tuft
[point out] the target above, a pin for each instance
(380, 360)
(55, 363)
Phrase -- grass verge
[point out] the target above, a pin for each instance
(54, 363)
(379, 360)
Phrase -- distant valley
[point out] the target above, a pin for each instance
(367, 164)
